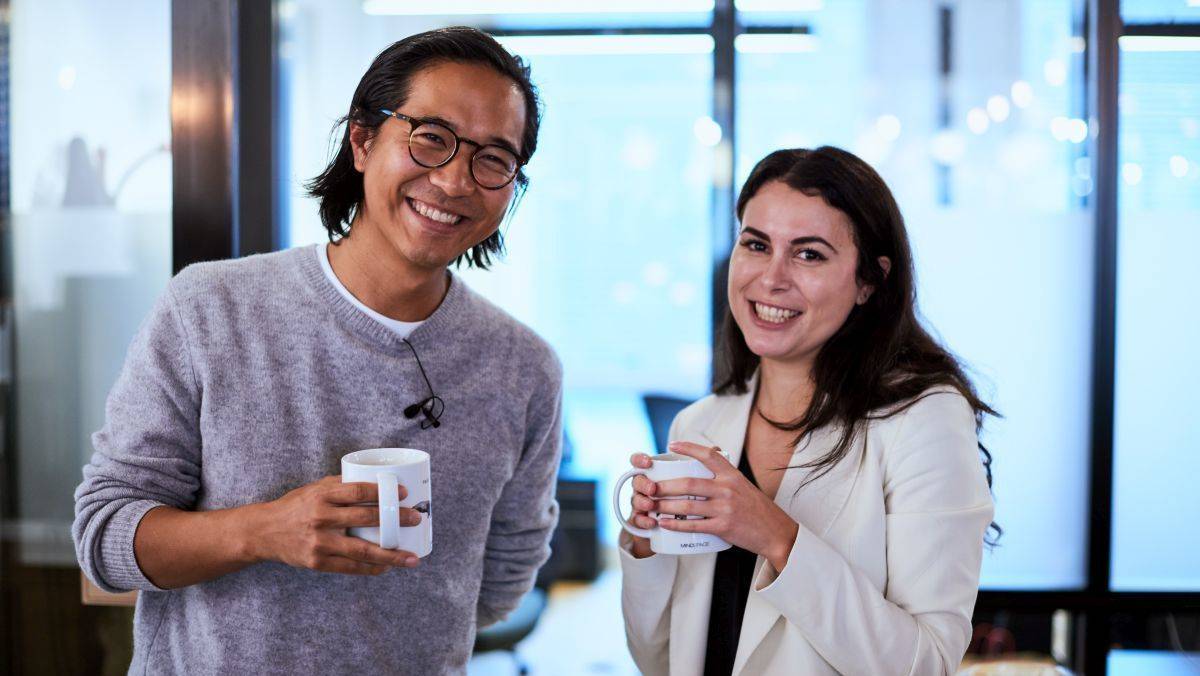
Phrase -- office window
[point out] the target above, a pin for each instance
(545, 14)
(1160, 11)
(778, 13)
(1153, 663)
(1155, 501)
(988, 167)
(91, 232)
(85, 180)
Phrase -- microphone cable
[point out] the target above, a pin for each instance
(431, 407)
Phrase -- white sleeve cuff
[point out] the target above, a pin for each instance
(653, 572)
(774, 585)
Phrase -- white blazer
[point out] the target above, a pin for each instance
(885, 569)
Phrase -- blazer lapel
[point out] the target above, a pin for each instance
(818, 503)
(815, 506)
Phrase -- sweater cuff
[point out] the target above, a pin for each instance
(118, 563)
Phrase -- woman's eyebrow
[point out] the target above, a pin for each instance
(807, 239)
(813, 239)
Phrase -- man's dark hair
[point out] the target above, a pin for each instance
(386, 85)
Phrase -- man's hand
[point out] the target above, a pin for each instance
(306, 529)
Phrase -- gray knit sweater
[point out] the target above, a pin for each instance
(253, 377)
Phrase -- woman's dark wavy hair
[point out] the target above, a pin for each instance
(881, 361)
(386, 85)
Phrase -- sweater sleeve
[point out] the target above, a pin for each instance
(938, 507)
(147, 454)
(518, 542)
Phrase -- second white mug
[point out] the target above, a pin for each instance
(662, 541)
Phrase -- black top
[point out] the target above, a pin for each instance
(731, 587)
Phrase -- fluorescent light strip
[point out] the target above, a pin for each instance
(765, 43)
(1159, 43)
(444, 7)
(780, 5)
(529, 45)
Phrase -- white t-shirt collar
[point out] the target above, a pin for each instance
(402, 329)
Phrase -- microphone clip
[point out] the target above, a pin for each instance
(430, 407)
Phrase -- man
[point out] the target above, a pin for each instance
(212, 488)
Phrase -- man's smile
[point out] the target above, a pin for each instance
(432, 212)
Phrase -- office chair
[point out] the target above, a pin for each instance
(661, 409)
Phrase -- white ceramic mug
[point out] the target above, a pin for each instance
(663, 541)
(392, 467)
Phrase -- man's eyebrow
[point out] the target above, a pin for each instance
(493, 141)
(808, 239)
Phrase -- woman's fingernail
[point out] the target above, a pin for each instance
(411, 561)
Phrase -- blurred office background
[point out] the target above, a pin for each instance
(1045, 153)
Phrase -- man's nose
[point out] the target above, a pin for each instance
(454, 177)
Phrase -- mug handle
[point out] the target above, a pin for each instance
(616, 501)
(389, 510)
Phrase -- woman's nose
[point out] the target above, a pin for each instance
(775, 276)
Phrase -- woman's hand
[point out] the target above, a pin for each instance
(735, 510)
(642, 503)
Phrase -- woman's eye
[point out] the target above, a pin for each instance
(810, 255)
(754, 245)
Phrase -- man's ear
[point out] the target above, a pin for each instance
(360, 145)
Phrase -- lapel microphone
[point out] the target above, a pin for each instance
(430, 407)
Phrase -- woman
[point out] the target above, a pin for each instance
(853, 493)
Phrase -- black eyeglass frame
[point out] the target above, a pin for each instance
(417, 122)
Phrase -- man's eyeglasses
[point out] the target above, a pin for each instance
(433, 144)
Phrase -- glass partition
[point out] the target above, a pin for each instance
(1155, 442)
(89, 249)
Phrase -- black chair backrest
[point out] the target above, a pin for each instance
(662, 409)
